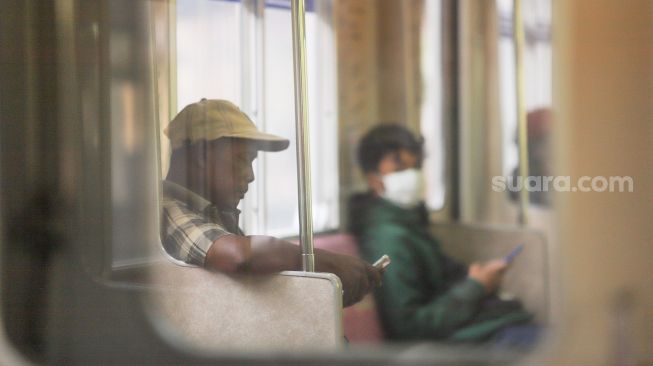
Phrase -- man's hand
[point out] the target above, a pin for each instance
(357, 276)
(488, 274)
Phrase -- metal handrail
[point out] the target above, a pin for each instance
(522, 140)
(301, 125)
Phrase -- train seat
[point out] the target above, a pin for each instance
(182, 294)
(212, 311)
(527, 278)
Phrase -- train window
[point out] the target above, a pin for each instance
(280, 213)
(165, 59)
(431, 116)
(507, 87)
(537, 63)
(242, 52)
(209, 50)
(108, 159)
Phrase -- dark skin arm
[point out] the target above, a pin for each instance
(264, 255)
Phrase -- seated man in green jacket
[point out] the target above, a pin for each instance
(425, 293)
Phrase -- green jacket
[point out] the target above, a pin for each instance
(425, 294)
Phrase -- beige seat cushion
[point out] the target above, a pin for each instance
(213, 311)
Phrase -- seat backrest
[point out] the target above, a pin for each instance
(213, 311)
(527, 277)
(360, 321)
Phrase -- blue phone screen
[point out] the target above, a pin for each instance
(514, 253)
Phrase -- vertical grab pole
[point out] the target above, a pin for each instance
(518, 31)
(301, 125)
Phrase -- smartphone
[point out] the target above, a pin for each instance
(514, 253)
(382, 263)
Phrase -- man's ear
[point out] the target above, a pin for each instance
(198, 154)
(375, 182)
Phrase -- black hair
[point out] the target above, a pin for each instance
(382, 140)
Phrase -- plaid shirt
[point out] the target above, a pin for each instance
(190, 224)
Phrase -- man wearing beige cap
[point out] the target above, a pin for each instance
(213, 146)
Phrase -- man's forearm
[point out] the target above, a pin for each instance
(262, 255)
(269, 255)
(252, 254)
(265, 254)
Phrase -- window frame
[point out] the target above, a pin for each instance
(253, 96)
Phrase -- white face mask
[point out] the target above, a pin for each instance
(404, 188)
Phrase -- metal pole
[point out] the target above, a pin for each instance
(301, 124)
(518, 33)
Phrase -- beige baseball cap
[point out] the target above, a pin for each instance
(211, 119)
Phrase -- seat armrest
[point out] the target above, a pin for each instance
(214, 311)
